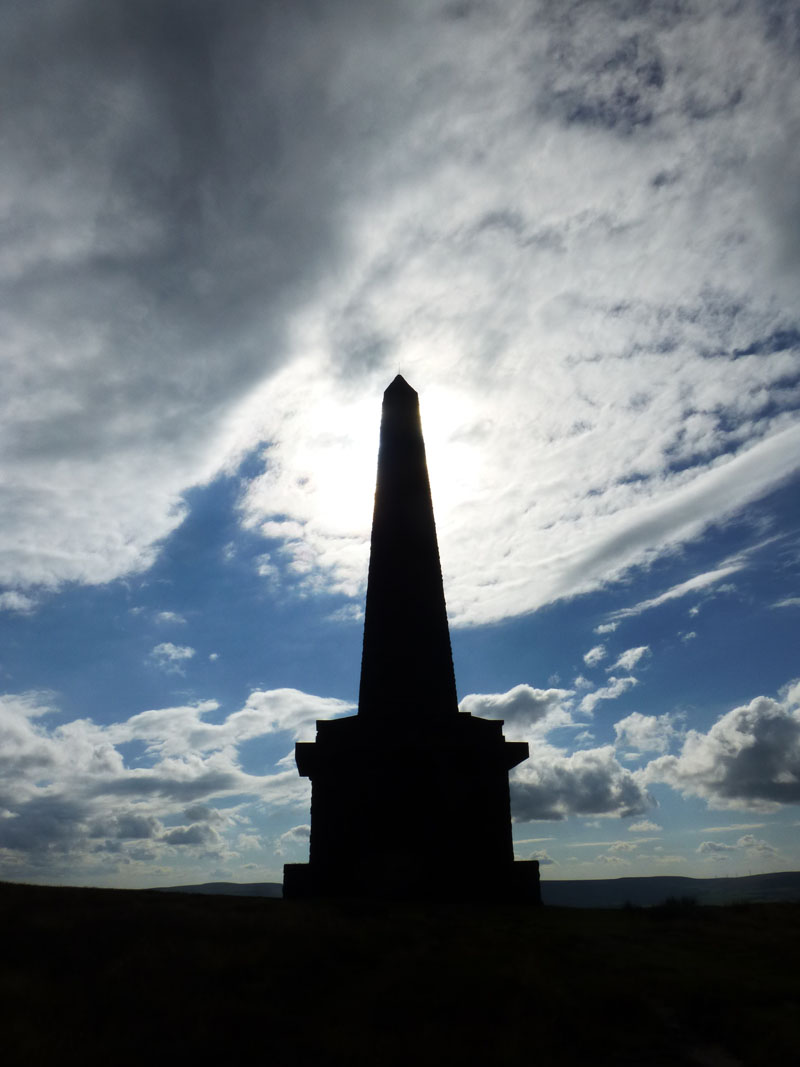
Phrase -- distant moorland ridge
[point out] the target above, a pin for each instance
(593, 893)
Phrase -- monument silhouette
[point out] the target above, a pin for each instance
(409, 797)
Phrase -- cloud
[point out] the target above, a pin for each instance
(544, 859)
(66, 794)
(749, 759)
(202, 813)
(645, 733)
(606, 627)
(522, 708)
(127, 826)
(197, 834)
(296, 835)
(732, 828)
(713, 848)
(551, 785)
(333, 169)
(625, 846)
(788, 602)
(169, 657)
(19, 602)
(699, 581)
(615, 688)
(594, 655)
(644, 826)
(747, 845)
(628, 659)
(154, 272)
(173, 617)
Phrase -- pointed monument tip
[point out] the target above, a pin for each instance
(400, 385)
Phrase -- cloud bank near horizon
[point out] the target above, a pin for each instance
(168, 786)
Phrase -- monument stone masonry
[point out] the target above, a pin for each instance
(409, 797)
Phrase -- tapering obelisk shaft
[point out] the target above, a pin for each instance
(407, 663)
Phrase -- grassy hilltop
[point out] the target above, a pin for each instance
(119, 977)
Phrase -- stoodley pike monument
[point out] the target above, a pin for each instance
(409, 797)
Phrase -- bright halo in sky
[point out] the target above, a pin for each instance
(317, 490)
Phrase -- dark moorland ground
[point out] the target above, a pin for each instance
(122, 977)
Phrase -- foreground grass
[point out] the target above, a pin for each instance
(117, 977)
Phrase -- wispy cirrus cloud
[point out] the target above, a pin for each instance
(691, 585)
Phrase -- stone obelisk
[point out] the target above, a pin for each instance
(410, 797)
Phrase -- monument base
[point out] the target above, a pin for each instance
(517, 883)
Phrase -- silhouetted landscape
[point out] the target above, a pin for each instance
(114, 976)
(783, 886)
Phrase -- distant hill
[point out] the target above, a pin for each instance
(227, 889)
(592, 893)
(646, 892)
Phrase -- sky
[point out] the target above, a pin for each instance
(574, 227)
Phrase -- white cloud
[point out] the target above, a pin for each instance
(699, 581)
(610, 405)
(749, 759)
(748, 845)
(170, 657)
(628, 659)
(522, 708)
(542, 856)
(68, 796)
(788, 602)
(170, 617)
(625, 846)
(15, 601)
(551, 785)
(594, 655)
(296, 835)
(615, 688)
(644, 826)
(606, 627)
(645, 733)
(732, 828)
